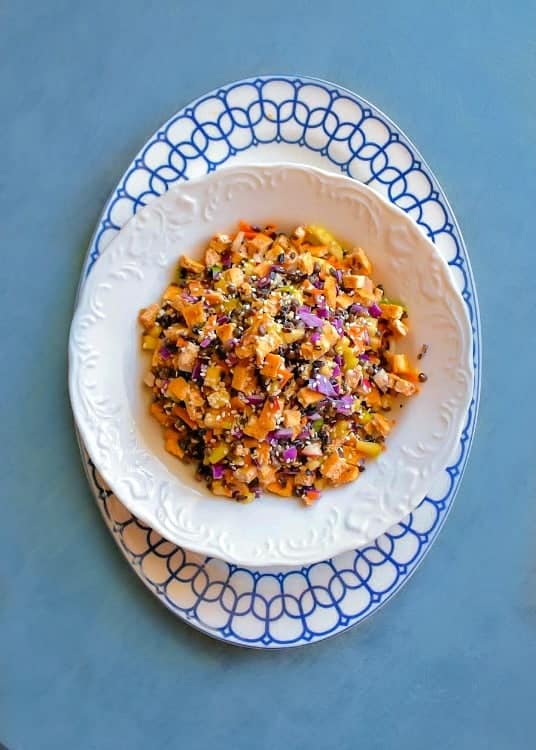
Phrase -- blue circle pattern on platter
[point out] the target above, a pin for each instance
(267, 608)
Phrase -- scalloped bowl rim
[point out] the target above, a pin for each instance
(341, 527)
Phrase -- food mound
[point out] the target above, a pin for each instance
(274, 364)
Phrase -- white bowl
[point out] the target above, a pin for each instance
(111, 405)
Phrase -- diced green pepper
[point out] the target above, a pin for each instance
(318, 424)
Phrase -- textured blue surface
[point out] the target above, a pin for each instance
(87, 658)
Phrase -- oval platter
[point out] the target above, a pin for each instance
(304, 120)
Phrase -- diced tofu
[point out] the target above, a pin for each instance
(218, 398)
(234, 276)
(189, 264)
(148, 315)
(351, 281)
(330, 333)
(187, 356)
(259, 244)
(400, 385)
(175, 332)
(195, 403)
(360, 260)
(292, 418)
(337, 470)
(380, 424)
(330, 291)
(266, 344)
(306, 263)
(193, 314)
(213, 376)
(289, 337)
(246, 473)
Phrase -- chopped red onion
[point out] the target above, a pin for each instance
(322, 385)
(290, 454)
(375, 310)
(165, 353)
(255, 399)
(338, 326)
(315, 415)
(338, 359)
(264, 282)
(336, 371)
(344, 405)
(358, 309)
(196, 372)
(206, 342)
(309, 318)
(226, 260)
(284, 433)
(222, 319)
(188, 297)
(231, 359)
(364, 357)
(217, 471)
(318, 284)
(315, 337)
(304, 434)
(323, 312)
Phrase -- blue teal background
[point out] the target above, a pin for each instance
(88, 659)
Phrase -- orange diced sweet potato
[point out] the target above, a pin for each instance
(273, 363)
(177, 389)
(225, 332)
(307, 396)
(330, 291)
(282, 491)
(193, 314)
(244, 379)
(160, 415)
(171, 443)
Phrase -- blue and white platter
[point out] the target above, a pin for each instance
(309, 121)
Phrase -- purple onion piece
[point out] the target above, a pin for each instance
(375, 310)
(338, 274)
(285, 433)
(206, 342)
(318, 284)
(323, 386)
(364, 357)
(196, 372)
(336, 371)
(338, 359)
(188, 297)
(222, 319)
(315, 337)
(255, 399)
(231, 359)
(264, 282)
(344, 405)
(309, 318)
(323, 312)
(314, 416)
(304, 434)
(217, 471)
(226, 260)
(165, 353)
(290, 454)
(358, 309)
(338, 325)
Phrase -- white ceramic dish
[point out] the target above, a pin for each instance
(106, 366)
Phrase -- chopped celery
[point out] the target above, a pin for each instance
(318, 424)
